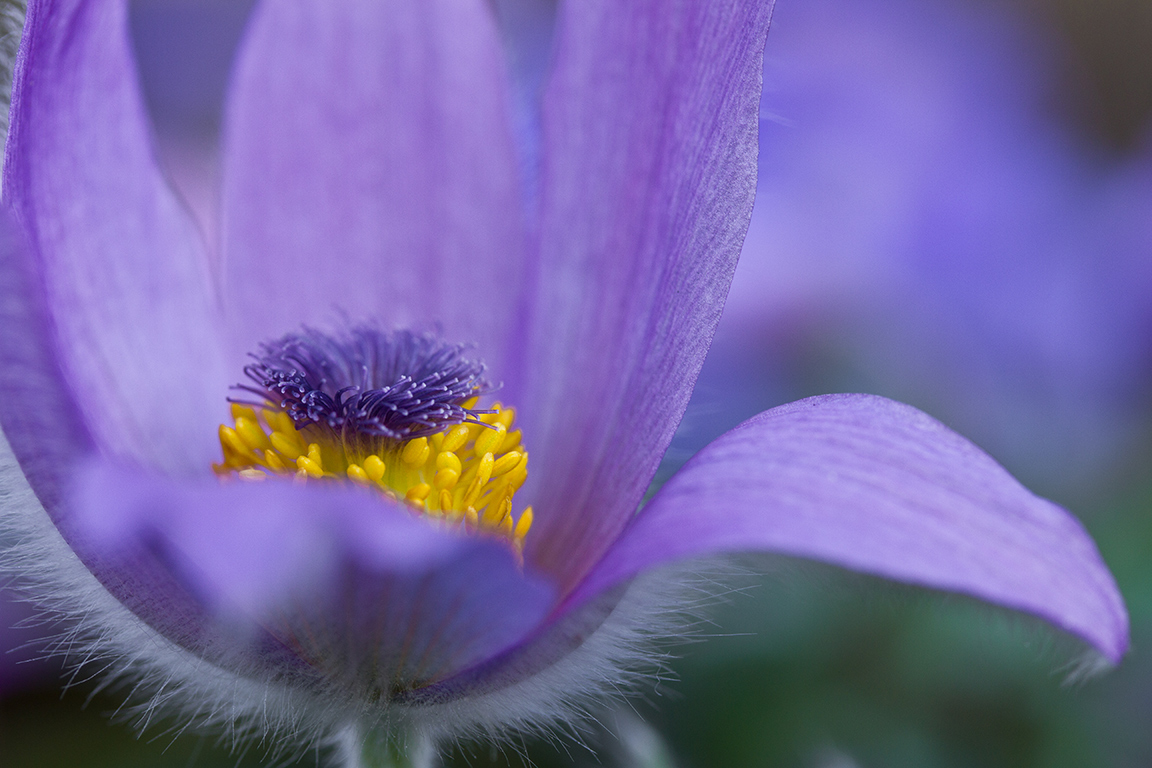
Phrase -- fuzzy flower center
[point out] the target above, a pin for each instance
(395, 412)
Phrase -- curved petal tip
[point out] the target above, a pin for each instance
(873, 485)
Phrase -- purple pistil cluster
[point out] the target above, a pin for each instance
(398, 385)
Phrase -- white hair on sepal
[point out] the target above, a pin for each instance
(1089, 665)
(631, 649)
(12, 14)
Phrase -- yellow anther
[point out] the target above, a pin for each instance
(241, 412)
(466, 475)
(516, 478)
(374, 467)
(278, 421)
(490, 439)
(455, 439)
(506, 417)
(448, 460)
(470, 403)
(415, 452)
(251, 433)
(314, 455)
(484, 469)
(506, 462)
(524, 523)
(357, 475)
(288, 446)
(446, 478)
(309, 466)
(483, 474)
(417, 493)
(511, 442)
(275, 463)
(497, 512)
(230, 439)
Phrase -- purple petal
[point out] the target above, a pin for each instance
(649, 168)
(120, 276)
(37, 411)
(370, 170)
(870, 484)
(324, 581)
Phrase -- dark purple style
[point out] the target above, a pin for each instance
(400, 385)
(377, 134)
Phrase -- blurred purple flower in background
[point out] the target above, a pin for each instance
(372, 170)
(923, 221)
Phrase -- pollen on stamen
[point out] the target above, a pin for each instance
(394, 412)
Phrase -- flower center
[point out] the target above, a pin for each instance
(395, 412)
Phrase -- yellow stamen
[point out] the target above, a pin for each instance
(251, 433)
(357, 475)
(490, 439)
(465, 475)
(415, 452)
(286, 445)
(275, 463)
(309, 466)
(279, 421)
(448, 460)
(506, 462)
(374, 466)
(417, 493)
(446, 478)
(523, 524)
(455, 438)
(511, 442)
(240, 411)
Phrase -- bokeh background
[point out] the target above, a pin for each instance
(955, 210)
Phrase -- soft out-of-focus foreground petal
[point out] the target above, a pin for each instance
(926, 229)
(879, 487)
(127, 309)
(393, 195)
(335, 584)
(649, 131)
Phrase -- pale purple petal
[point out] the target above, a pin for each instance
(37, 411)
(320, 580)
(649, 166)
(125, 293)
(370, 170)
(873, 485)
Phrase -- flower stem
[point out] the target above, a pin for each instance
(385, 751)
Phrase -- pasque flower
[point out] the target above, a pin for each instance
(358, 567)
